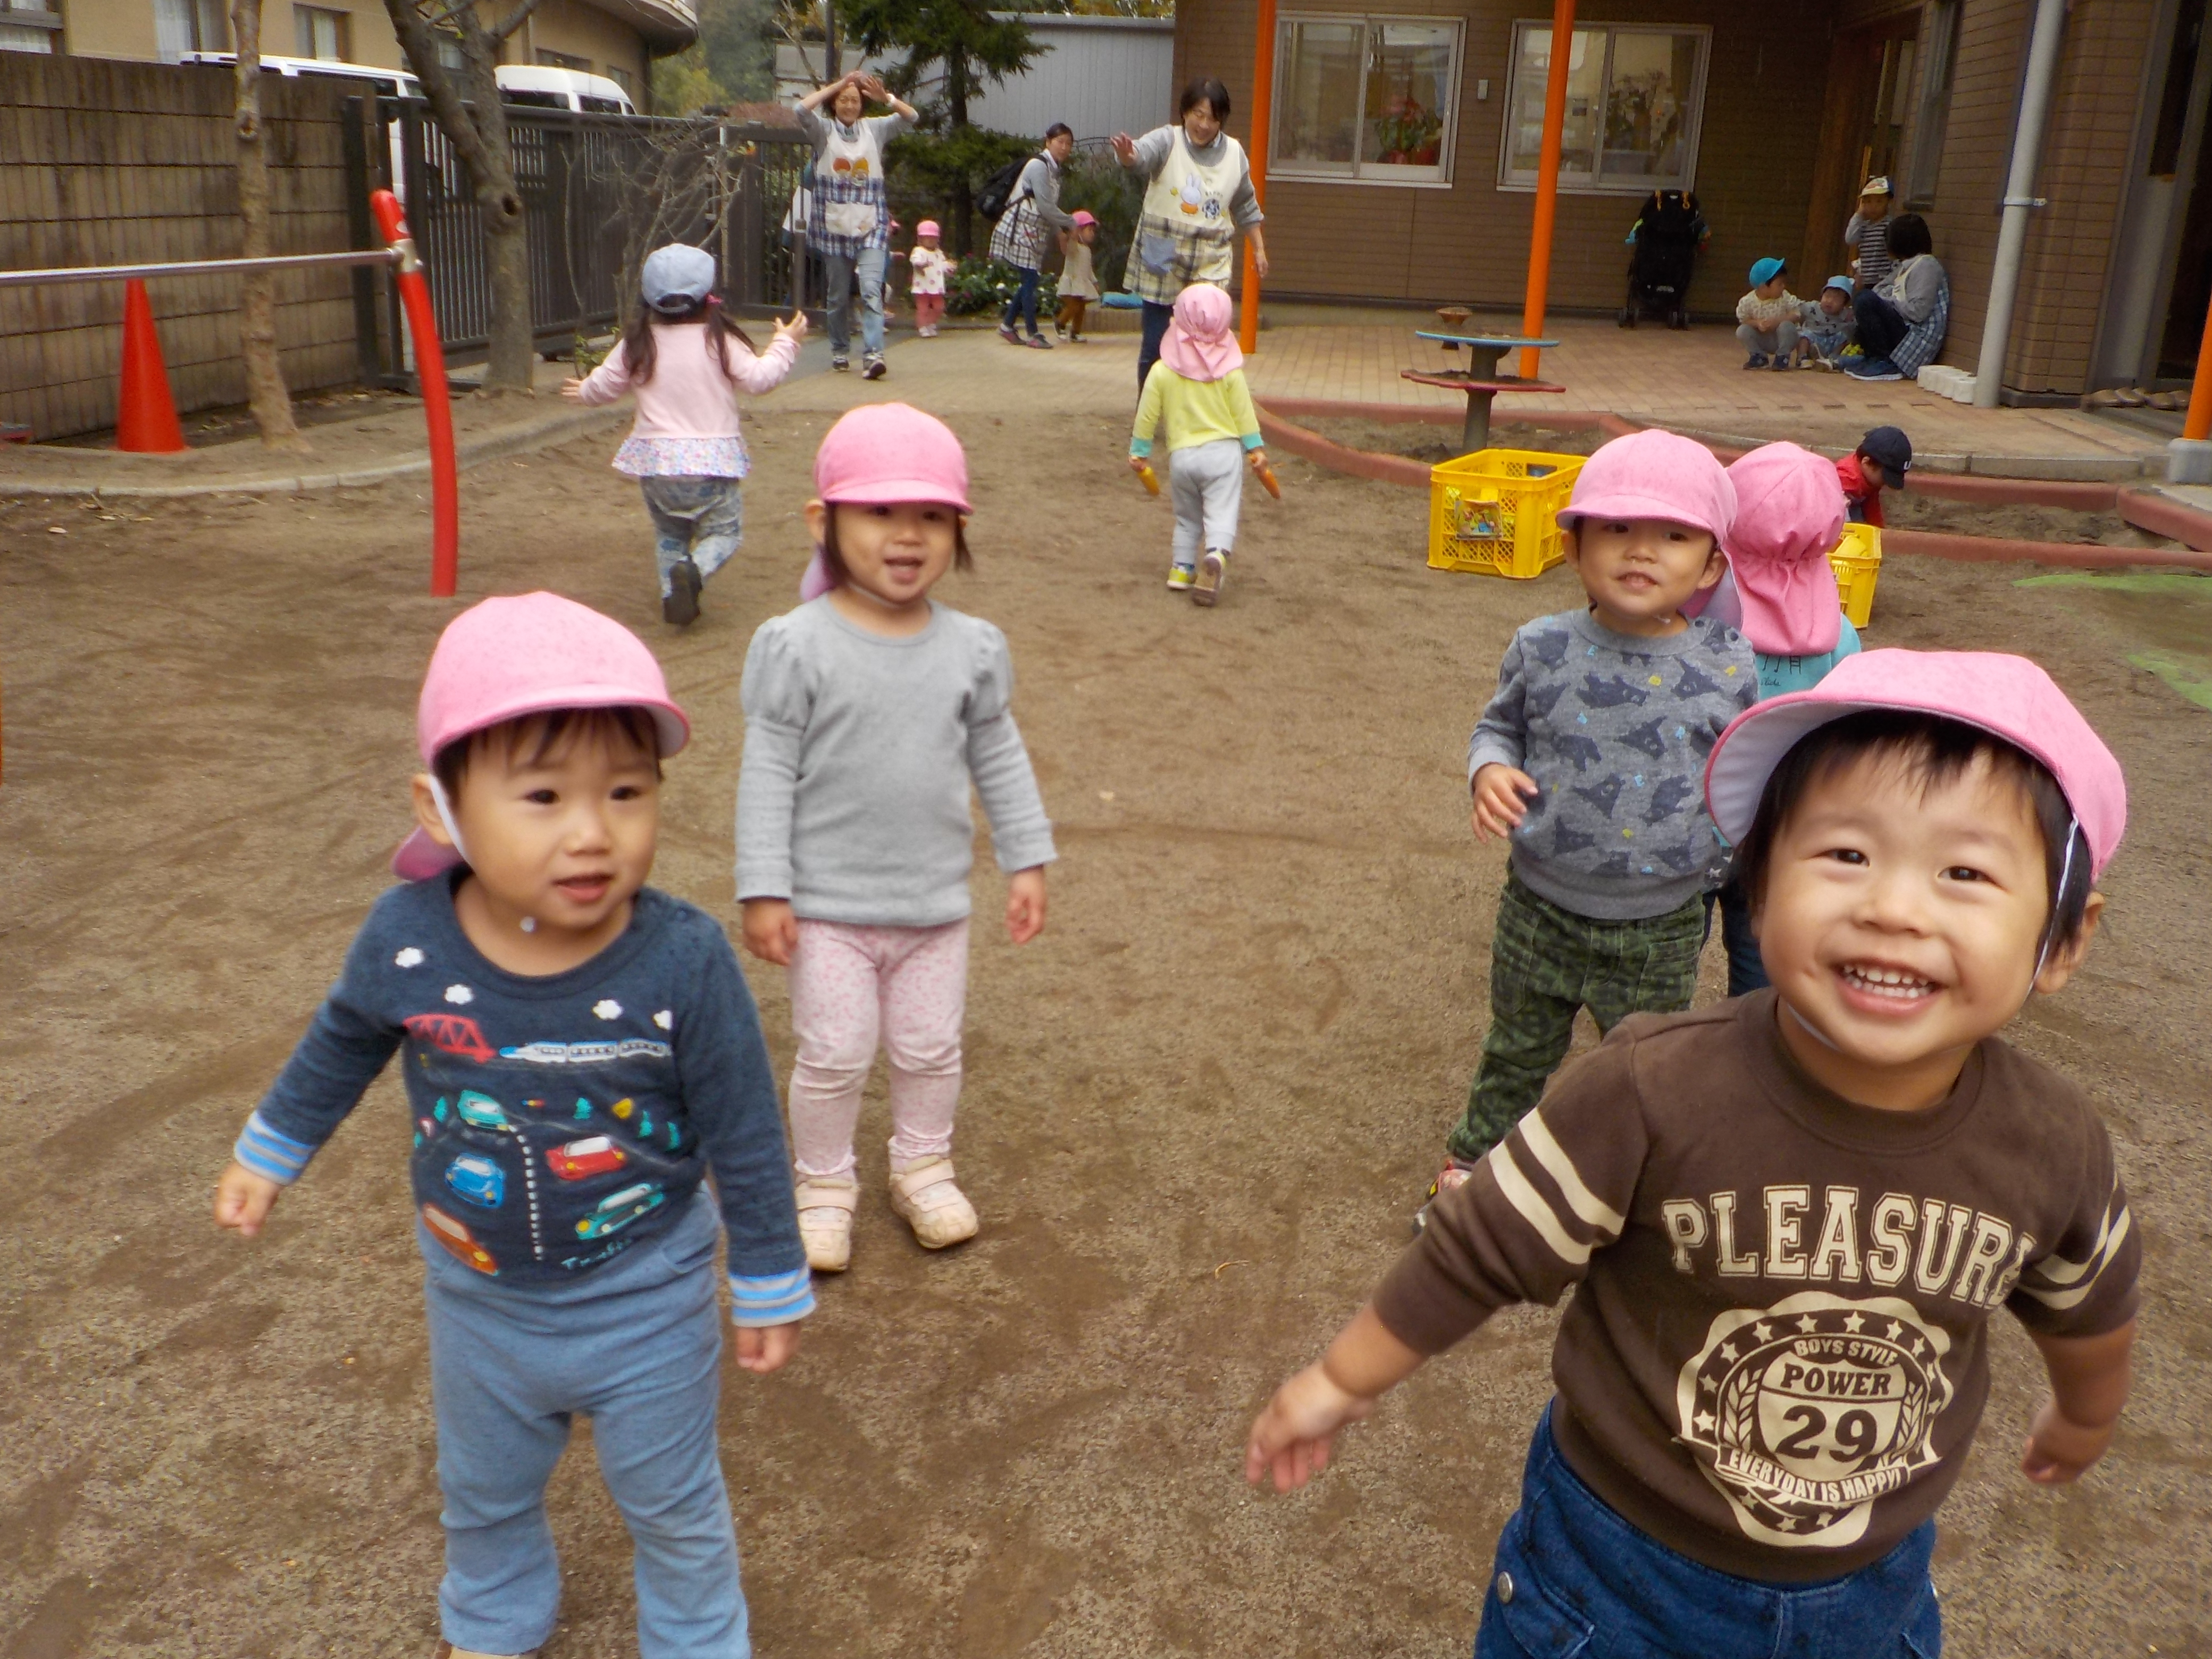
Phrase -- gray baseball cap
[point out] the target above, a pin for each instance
(677, 277)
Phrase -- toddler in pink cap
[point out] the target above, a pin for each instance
(870, 711)
(1789, 515)
(1587, 761)
(1788, 1220)
(928, 266)
(1198, 389)
(580, 1053)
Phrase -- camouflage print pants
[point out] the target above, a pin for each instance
(1545, 963)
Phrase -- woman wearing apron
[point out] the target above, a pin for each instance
(849, 224)
(1198, 196)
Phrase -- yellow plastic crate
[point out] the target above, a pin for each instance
(1495, 512)
(1856, 560)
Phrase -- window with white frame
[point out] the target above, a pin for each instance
(1365, 100)
(320, 33)
(183, 26)
(1636, 95)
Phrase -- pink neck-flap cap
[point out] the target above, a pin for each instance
(528, 654)
(1198, 344)
(2006, 695)
(1654, 475)
(1788, 513)
(882, 454)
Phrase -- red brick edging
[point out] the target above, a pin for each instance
(2145, 509)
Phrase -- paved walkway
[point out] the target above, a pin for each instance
(1693, 382)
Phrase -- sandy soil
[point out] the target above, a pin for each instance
(1201, 1106)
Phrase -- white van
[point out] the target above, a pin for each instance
(388, 82)
(542, 86)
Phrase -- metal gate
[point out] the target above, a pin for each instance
(598, 192)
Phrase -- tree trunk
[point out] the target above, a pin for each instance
(257, 318)
(963, 191)
(513, 354)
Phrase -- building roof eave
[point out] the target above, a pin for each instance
(665, 26)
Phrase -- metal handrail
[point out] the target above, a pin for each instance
(382, 256)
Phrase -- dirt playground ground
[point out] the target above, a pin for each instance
(1200, 1110)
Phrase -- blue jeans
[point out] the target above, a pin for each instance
(838, 271)
(1746, 968)
(701, 519)
(1157, 318)
(1573, 1580)
(636, 1345)
(1023, 304)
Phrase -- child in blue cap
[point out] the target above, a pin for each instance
(1767, 318)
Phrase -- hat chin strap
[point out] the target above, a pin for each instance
(2065, 878)
(445, 806)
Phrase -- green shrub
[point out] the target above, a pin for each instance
(978, 283)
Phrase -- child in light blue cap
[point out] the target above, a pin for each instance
(1826, 326)
(1767, 318)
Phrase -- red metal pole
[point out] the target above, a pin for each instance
(1263, 90)
(1548, 181)
(2197, 425)
(437, 403)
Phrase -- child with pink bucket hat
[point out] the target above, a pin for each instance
(1587, 760)
(1789, 1218)
(928, 267)
(1198, 388)
(870, 711)
(1789, 514)
(1079, 280)
(580, 1053)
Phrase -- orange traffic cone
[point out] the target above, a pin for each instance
(145, 413)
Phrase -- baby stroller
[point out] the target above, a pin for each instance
(1668, 232)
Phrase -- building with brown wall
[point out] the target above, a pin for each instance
(618, 38)
(1773, 114)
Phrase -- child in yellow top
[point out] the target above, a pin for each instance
(1197, 387)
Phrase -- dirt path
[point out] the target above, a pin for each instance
(1200, 1108)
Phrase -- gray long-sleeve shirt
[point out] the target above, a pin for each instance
(1912, 287)
(853, 797)
(1152, 155)
(1615, 729)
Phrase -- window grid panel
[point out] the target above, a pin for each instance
(1366, 99)
(1635, 106)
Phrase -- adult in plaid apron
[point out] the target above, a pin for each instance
(848, 219)
(1198, 195)
(1025, 229)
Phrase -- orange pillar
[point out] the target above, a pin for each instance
(2197, 425)
(1548, 181)
(1263, 89)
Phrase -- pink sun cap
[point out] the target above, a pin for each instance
(927, 228)
(2008, 696)
(880, 454)
(1788, 512)
(529, 653)
(1654, 475)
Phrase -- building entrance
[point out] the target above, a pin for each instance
(1863, 119)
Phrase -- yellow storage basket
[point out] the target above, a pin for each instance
(1856, 561)
(1495, 512)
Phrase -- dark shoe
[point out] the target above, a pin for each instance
(1880, 368)
(1010, 334)
(841, 363)
(1757, 360)
(1037, 342)
(873, 369)
(681, 607)
(1457, 1172)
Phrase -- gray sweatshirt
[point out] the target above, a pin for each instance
(853, 795)
(1615, 729)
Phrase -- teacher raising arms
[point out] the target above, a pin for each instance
(1198, 196)
(850, 224)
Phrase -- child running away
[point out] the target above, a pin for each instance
(1789, 1217)
(580, 1053)
(1198, 388)
(685, 360)
(869, 710)
(1588, 760)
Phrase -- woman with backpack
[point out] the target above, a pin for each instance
(1030, 222)
(849, 222)
(1198, 196)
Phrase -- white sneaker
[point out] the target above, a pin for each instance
(825, 1221)
(938, 1211)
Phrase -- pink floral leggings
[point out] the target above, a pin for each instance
(850, 986)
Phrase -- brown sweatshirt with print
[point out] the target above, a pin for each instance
(1775, 1355)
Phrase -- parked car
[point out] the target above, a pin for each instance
(389, 83)
(542, 86)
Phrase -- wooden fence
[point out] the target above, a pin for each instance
(112, 163)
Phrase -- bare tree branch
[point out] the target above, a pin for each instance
(515, 20)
